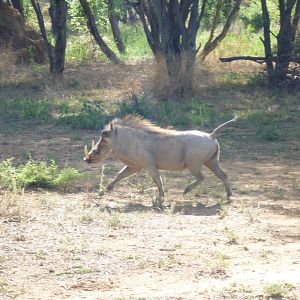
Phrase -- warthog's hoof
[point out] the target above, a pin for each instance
(110, 187)
(187, 190)
(229, 198)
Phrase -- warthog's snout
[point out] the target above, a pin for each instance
(87, 159)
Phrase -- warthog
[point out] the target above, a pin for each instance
(139, 144)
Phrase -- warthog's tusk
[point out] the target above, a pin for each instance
(93, 144)
(86, 152)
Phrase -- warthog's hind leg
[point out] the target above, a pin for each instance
(124, 173)
(214, 166)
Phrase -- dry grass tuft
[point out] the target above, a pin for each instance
(7, 62)
(10, 206)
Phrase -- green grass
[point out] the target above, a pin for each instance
(168, 113)
(26, 109)
(267, 123)
(83, 48)
(91, 115)
(94, 114)
(135, 41)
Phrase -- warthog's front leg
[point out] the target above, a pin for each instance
(124, 173)
(156, 177)
(193, 185)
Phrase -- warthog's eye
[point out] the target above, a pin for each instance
(96, 150)
(106, 133)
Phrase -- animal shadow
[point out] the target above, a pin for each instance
(197, 210)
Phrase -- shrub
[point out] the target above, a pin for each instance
(277, 290)
(34, 109)
(35, 174)
(8, 174)
(66, 176)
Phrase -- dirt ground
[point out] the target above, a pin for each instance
(81, 244)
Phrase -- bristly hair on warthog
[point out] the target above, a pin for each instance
(140, 144)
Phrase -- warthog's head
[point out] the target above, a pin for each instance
(102, 149)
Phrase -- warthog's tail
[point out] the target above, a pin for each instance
(222, 126)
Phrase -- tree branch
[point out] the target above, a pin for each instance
(257, 59)
(209, 47)
(295, 20)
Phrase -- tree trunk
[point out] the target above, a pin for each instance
(278, 65)
(52, 14)
(61, 40)
(174, 75)
(171, 28)
(285, 40)
(115, 27)
(41, 22)
(94, 31)
(267, 39)
(18, 4)
(56, 55)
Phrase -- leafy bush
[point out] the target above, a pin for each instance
(251, 15)
(26, 109)
(66, 176)
(35, 173)
(78, 19)
(38, 174)
(80, 48)
(194, 112)
(92, 115)
(265, 123)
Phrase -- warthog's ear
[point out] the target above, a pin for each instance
(108, 131)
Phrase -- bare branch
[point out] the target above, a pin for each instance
(209, 47)
(257, 59)
(41, 22)
(216, 19)
(94, 31)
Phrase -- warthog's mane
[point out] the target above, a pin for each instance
(139, 123)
